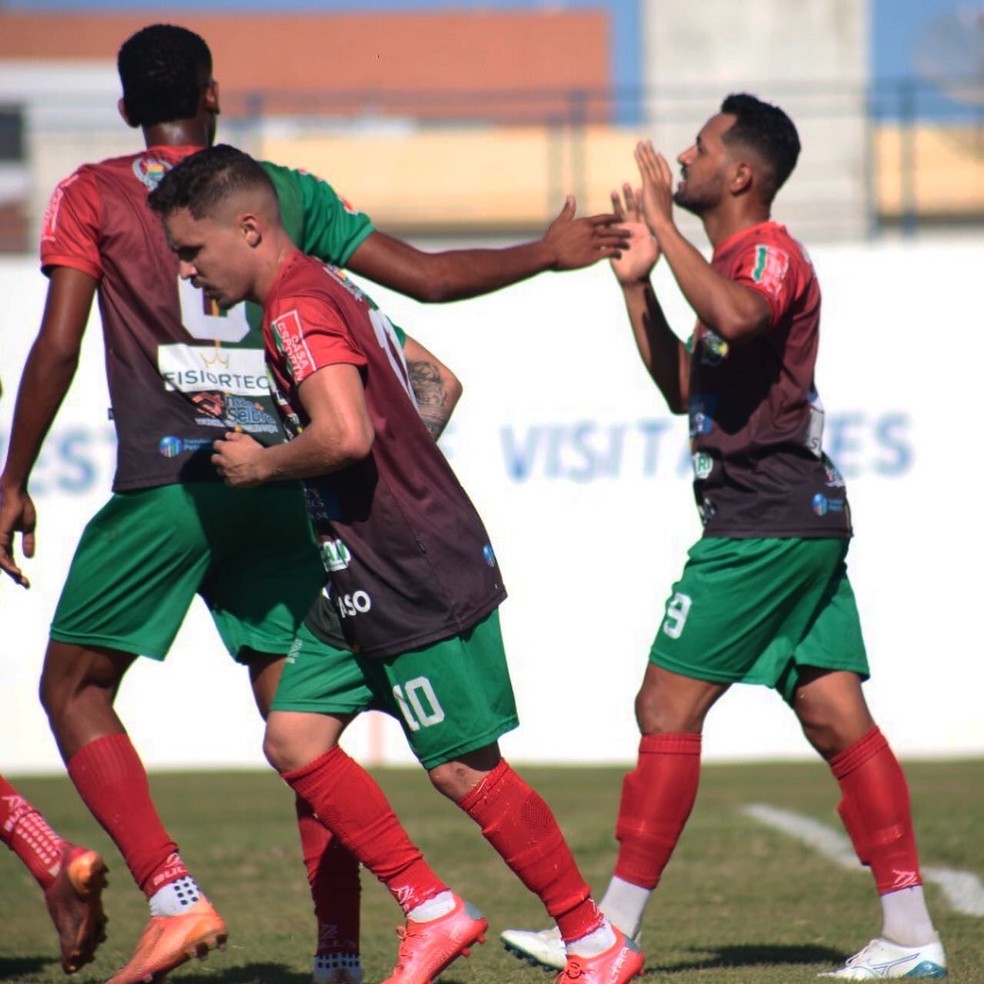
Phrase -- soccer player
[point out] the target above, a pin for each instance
(71, 877)
(179, 371)
(764, 596)
(415, 579)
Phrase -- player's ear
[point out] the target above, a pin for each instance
(741, 179)
(121, 106)
(250, 229)
(212, 97)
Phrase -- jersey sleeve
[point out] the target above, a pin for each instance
(70, 228)
(312, 334)
(332, 229)
(771, 270)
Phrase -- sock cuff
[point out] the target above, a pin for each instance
(854, 756)
(486, 786)
(676, 744)
(104, 754)
(334, 753)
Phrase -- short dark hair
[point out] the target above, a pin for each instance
(206, 178)
(163, 69)
(768, 131)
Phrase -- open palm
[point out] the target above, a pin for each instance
(636, 262)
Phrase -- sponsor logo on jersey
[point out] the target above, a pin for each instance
(356, 603)
(194, 368)
(713, 349)
(234, 411)
(823, 505)
(341, 278)
(700, 413)
(770, 268)
(335, 555)
(289, 333)
(149, 170)
(707, 510)
(49, 222)
(171, 446)
(703, 465)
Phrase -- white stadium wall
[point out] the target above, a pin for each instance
(582, 479)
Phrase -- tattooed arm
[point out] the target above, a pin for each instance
(436, 387)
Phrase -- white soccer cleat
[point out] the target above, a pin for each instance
(541, 949)
(882, 960)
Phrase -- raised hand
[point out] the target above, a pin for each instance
(579, 242)
(657, 187)
(636, 262)
(17, 514)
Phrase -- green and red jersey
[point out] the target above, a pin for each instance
(756, 420)
(408, 557)
(179, 371)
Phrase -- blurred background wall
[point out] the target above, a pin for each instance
(476, 118)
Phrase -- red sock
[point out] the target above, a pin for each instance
(876, 812)
(351, 805)
(113, 784)
(657, 797)
(520, 826)
(27, 834)
(333, 874)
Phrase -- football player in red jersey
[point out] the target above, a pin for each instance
(764, 596)
(170, 529)
(416, 587)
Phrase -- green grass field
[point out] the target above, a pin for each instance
(740, 902)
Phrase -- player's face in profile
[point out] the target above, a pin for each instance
(704, 167)
(212, 253)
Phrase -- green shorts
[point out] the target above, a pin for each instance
(451, 698)
(758, 611)
(249, 553)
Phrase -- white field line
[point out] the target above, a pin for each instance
(962, 889)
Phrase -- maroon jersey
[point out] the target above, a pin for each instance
(756, 420)
(180, 372)
(408, 558)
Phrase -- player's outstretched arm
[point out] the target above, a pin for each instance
(569, 243)
(47, 375)
(662, 353)
(436, 388)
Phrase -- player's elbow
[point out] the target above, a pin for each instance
(356, 443)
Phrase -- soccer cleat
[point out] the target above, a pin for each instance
(74, 901)
(169, 941)
(619, 963)
(882, 960)
(540, 949)
(427, 948)
(544, 949)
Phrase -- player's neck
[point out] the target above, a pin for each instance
(722, 224)
(177, 133)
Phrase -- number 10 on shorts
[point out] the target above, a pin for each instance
(418, 703)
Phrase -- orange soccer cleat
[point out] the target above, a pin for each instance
(169, 941)
(619, 963)
(427, 948)
(74, 901)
